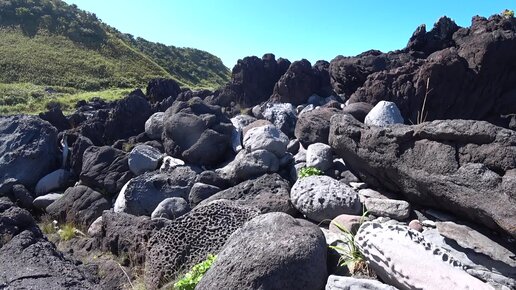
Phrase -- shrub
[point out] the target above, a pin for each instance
(309, 171)
(192, 278)
(47, 225)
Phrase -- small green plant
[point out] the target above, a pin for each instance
(508, 13)
(67, 232)
(47, 225)
(309, 171)
(350, 255)
(127, 147)
(192, 278)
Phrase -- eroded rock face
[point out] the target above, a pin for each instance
(197, 132)
(29, 260)
(189, 238)
(269, 193)
(291, 255)
(466, 167)
(142, 194)
(418, 265)
(297, 84)
(252, 80)
(469, 80)
(440, 37)
(28, 150)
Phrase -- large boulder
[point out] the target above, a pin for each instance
(314, 126)
(79, 205)
(322, 198)
(283, 116)
(105, 169)
(160, 89)
(127, 118)
(465, 167)
(190, 238)
(252, 80)
(28, 151)
(296, 85)
(171, 208)
(384, 114)
(419, 265)
(269, 193)
(29, 260)
(143, 158)
(268, 138)
(126, 236)
(79, 146)
(248, 165)
(55, 180)
(142, 194)
(466, 81)
(197, 132)
(154, 126)
(291, 255)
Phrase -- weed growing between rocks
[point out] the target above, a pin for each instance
(309, 171)
(189, 280)
(350, 255)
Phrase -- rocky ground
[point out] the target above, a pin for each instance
(411, 177)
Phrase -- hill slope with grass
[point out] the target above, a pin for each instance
(51, 43)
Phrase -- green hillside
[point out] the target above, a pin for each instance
(48, 43)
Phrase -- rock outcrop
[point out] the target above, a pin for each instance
(466, 167)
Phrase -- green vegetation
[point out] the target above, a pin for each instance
(309, 171)
(192, 278)
(350, 255)
(508, 13)
(67, 232)
(32, 99)
(47, 225)
(48, 43)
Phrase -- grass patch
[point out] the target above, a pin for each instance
(28, 98)
(67, 232)
(309, 171)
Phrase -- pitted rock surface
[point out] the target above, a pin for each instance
(188, 239)
(404, 258)
(322, 198)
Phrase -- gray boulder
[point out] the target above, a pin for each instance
(283, 116)
(22, 197)
(80, 205)
(350, 283)
(384, 114)
(201, 191)
(268, 138)
(419, 265)
(358, 110)
(154, 126)
(171, 208)
(396, 209)
(314, 127)
(143, 158)
(320, 156)
(269, 193)
(28, 150)
(43, 201)
(465, 167)
(188, 239)
(322, 198)
(272, 251)
(53, 181)
(105, 169)
(142, 194)
(30, 261)
(247, 165)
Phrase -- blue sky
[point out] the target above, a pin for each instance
(311, 29)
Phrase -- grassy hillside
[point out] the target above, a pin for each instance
(48, 43)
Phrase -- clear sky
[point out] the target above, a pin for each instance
(293, 29)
